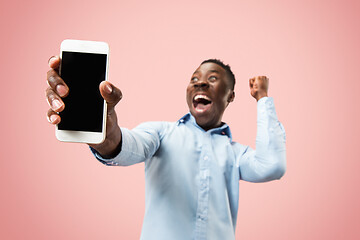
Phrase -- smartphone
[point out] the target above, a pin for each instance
(83, 66)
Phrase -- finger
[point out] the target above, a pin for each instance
(53, 117)
(54, 100)
(111, 94)
(251, 82)
(57, 83)
(54, 62)
(263, 78)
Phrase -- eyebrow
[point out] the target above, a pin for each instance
(212, 71)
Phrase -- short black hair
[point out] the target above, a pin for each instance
(226, 67)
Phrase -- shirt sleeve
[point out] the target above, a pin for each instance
(268, 161)
(138, 145)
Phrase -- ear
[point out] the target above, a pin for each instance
(231, 96)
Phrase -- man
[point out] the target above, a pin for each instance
(192, 166)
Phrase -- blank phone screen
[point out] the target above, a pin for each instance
(84, 105)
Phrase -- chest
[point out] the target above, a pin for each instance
(185, 152)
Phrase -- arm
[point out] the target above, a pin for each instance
(138, 144)
(268, 162)
(58, 89)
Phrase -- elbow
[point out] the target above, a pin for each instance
(274, 173)
(279, 172)
(276, 170)
(280, 167)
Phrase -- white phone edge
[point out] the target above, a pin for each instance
(85, 46)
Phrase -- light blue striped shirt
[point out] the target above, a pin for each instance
(192, 176)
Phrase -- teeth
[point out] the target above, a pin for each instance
(201, 96)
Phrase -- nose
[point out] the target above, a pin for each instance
(201, 83)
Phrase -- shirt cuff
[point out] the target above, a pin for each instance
(106, 161)
(266, 108)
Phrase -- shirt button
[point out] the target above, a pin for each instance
(206, 158)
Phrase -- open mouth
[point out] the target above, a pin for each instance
(201, 103)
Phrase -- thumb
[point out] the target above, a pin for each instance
(111, 94)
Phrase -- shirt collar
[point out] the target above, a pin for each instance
(223, 130)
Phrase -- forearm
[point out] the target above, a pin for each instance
(270, 142)
(268, 162)
(136, 146)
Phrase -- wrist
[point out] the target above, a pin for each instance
(111, 147)
(261, 95)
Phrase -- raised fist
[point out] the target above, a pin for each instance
(259, 87)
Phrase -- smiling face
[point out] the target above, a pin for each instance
(208, 94)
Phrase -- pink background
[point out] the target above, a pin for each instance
(309, 49)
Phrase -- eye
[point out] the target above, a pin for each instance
(212, 78)
(194, 79)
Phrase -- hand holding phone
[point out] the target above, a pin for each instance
(75, 131)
